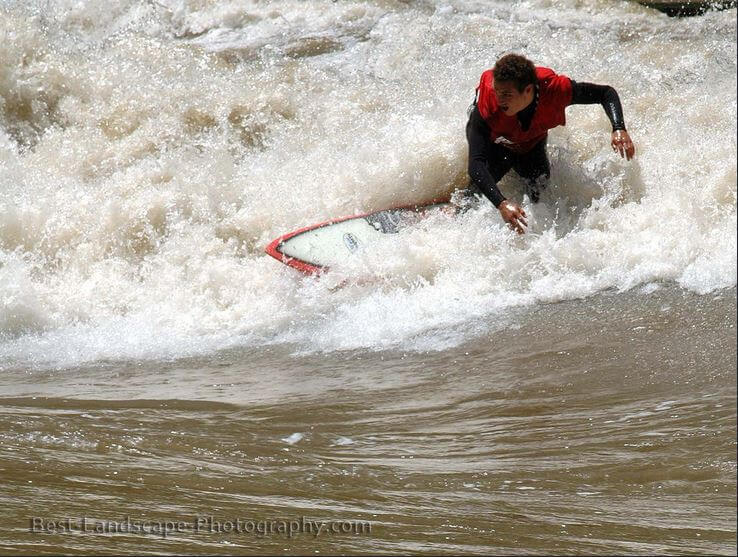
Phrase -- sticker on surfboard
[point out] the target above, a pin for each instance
(314, 249)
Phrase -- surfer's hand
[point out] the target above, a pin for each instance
(622, 144)
(513, 215)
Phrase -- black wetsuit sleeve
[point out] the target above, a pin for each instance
(477, 134)
(590, 93)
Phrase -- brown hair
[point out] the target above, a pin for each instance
(515, 68)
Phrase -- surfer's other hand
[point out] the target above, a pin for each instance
(513, 215)
(621, 143)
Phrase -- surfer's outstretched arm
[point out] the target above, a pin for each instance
(590, 93)
(477, 135)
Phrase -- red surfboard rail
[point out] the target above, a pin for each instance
(313, 269)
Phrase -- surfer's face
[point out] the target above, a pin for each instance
(510, 100)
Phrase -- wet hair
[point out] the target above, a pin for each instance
(517, 69)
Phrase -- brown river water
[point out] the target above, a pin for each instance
(597, 426)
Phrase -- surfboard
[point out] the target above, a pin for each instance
(314, 249)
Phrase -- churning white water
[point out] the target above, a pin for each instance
(150, 150)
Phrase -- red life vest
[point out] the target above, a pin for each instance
(554, 95)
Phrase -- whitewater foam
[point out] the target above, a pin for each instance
(149, 152)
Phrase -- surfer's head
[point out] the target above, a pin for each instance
(515, 83)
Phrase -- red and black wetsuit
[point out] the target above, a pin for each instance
(498, 142)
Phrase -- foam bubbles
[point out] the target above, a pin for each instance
(149, 152)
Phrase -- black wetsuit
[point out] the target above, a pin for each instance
(489, 162)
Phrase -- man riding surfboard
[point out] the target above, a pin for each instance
(515, 105)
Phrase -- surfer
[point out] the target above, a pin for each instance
(515, 105)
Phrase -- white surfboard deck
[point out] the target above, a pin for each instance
(318, 247)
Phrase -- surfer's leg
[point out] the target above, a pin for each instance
(535, 169)
(499, 160)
